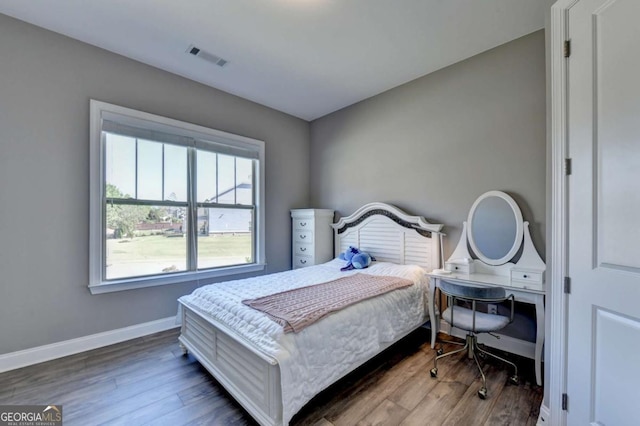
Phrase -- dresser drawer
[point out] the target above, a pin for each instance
(303, 224)
(303, 249)
(302, 261)
(302, 236)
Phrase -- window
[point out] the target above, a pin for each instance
(171, 201)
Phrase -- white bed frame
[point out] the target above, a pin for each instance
(252, 377)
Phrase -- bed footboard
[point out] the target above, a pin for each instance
(252, 380)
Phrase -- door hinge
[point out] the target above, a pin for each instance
(567, 285)
(567, 48)
(565, 401)
(567, 166)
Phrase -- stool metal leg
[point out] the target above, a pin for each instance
(434, 370)
(440, 350)
(482, 393)
(513, 379)
(473, 350)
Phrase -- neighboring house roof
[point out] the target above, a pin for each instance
(243, 193)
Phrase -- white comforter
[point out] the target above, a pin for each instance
(314, 358)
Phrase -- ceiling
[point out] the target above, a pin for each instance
(307, 58)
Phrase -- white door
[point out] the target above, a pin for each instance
(603, 371)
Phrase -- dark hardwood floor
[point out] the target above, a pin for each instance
(149, 381)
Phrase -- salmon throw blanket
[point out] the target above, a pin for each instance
(298, 308)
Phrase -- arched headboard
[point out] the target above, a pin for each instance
(390, 235)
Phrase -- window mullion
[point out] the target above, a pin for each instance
(162, 194)
(103, 206)
(217, 180)
(226, 206)
(192, 228)
(254, 227)
(136, 170)
(135, 202)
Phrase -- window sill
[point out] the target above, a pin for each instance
(131, 284)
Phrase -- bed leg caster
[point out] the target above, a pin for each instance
(185, 351)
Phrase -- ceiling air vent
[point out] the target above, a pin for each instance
(209, 57)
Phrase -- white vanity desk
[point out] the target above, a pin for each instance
(506, 343)
(496, 232)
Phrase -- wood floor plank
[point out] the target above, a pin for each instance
(323, 422)
(210, 411)
(126, 371)
(515, 406)
(43, 372)
(67, 395)
(464, 371)
(436, 405)
(225, 415)
(371, 397)
(471, 410)
(67, 380)
(148, 413)
(356, 385)
(388, 413)
(415, 388)
(150, 371)
(204, 390)
(6, 392)
(148, 381)
(124, 399)
(62, 384)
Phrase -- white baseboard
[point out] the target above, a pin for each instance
(545, 416)
(39, 354)
(506, 343)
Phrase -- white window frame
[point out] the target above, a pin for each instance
(226, 141)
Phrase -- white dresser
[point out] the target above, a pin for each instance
(312, 237)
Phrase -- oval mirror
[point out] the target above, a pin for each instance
(495, 228)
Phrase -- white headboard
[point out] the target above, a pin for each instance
(390, 235)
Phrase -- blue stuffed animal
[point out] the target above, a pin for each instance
(349, 253)
(361, 260)
(356, 259)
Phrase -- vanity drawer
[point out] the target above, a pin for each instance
(527, 278)
(302, 236)
(302, 261)
(459, 268)
(303, 249)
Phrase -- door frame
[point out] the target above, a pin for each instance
(557, 301)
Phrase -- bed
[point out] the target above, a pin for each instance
(273, 374)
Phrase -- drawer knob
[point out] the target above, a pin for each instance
(303, 249)
(302, 237)
(525, 276)
(303, 223)
(303, 261)
(457, 268)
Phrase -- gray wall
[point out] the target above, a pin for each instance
(46, 81)
(433, 145)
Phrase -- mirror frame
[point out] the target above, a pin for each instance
(519, 228)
